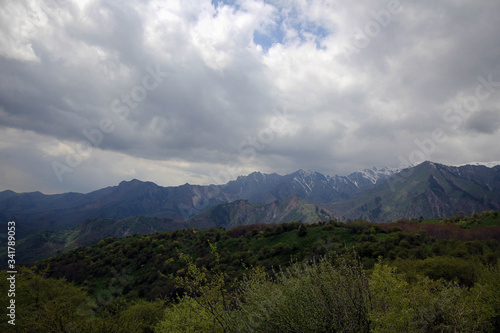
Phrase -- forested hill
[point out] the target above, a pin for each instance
(47, 243)
(411, 273)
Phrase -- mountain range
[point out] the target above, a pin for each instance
(38, 211)
(428, 190)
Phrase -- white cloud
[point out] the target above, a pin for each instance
(63, 64)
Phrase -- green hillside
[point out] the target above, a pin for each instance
(204, 280)
(44, 244)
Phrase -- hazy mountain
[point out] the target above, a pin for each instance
(37, 211)
(243, 212)
(377, 194)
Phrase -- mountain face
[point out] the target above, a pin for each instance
(49, 224)
(37, 211)
(243, 212)
(428, 190)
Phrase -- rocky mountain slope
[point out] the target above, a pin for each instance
(36, 211)
(244, 212)
(428, 190)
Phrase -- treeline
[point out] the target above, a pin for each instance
(250, 277)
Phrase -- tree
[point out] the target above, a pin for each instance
(302, 230)
(391, 305)
(207, 296)
(142, 316)
(188, 315)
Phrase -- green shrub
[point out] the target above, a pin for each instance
(306, 297)
(426, 305)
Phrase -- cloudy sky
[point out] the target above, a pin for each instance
(199, 91)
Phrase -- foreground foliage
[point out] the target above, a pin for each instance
(407, 276)
(336, 296)
(307, 297)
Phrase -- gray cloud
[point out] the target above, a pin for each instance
(486, 122)
(65, 66)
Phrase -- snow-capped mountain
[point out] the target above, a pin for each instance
(429, 190)
(373, 176)
(486, 164)
(308, 184)
(377, 194)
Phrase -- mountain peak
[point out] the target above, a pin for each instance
(130, 182)
(305, 173)
(486, 164)
(372, 175)
(427, 163)
(135, 182)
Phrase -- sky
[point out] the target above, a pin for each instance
(200, 92)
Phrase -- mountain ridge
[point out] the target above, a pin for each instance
(377, 194)
(135, 197)
(430, 190)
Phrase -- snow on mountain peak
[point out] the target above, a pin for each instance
(306, 173)
(486, 164)
(374, 174)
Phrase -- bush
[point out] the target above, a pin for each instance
(425, 305)
(141, 316)
(187, 316)
(449, 268)
(44, 304)
(358, 227)
(306, 297)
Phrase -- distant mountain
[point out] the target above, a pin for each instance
(486, 164)
(367, 177)
(243, 212)
(377, 194)
(430, 190)
(311, 185)
(36, 211)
